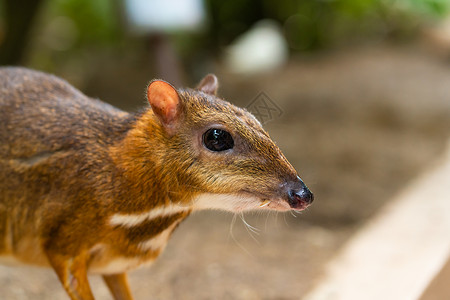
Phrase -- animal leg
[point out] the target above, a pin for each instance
(72, 272)
(118, 285)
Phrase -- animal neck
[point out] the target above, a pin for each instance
(147, 177)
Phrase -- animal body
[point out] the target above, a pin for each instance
(86, 187)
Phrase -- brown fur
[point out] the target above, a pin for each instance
(68, 163)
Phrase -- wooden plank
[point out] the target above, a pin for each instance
(439, 289)
(397, 253)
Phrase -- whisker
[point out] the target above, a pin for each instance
(233, 221)
(285, 221)
(250, 229)
(267, 219)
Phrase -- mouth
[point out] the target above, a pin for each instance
(283, 206)
(244, 202)
(292, 195)
(295, 201)
(301, 207)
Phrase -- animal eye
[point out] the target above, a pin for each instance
(217, 140)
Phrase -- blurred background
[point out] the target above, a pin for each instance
(355, 93)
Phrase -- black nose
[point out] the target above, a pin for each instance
(299, 196)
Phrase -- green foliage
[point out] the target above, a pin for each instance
(434, 8)
(315, 24)
(96, 22)
(308, 25)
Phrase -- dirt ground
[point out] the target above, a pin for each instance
(358, 126)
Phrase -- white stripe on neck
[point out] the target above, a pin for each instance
(130, 220)
(159, 241)
(227, 202)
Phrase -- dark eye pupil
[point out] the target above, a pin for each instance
(217, 140)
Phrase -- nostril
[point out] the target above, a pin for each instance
(306, 195)
(300, 197)
(298, 194)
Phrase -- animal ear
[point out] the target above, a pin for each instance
(165, 102)
(209, 84)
